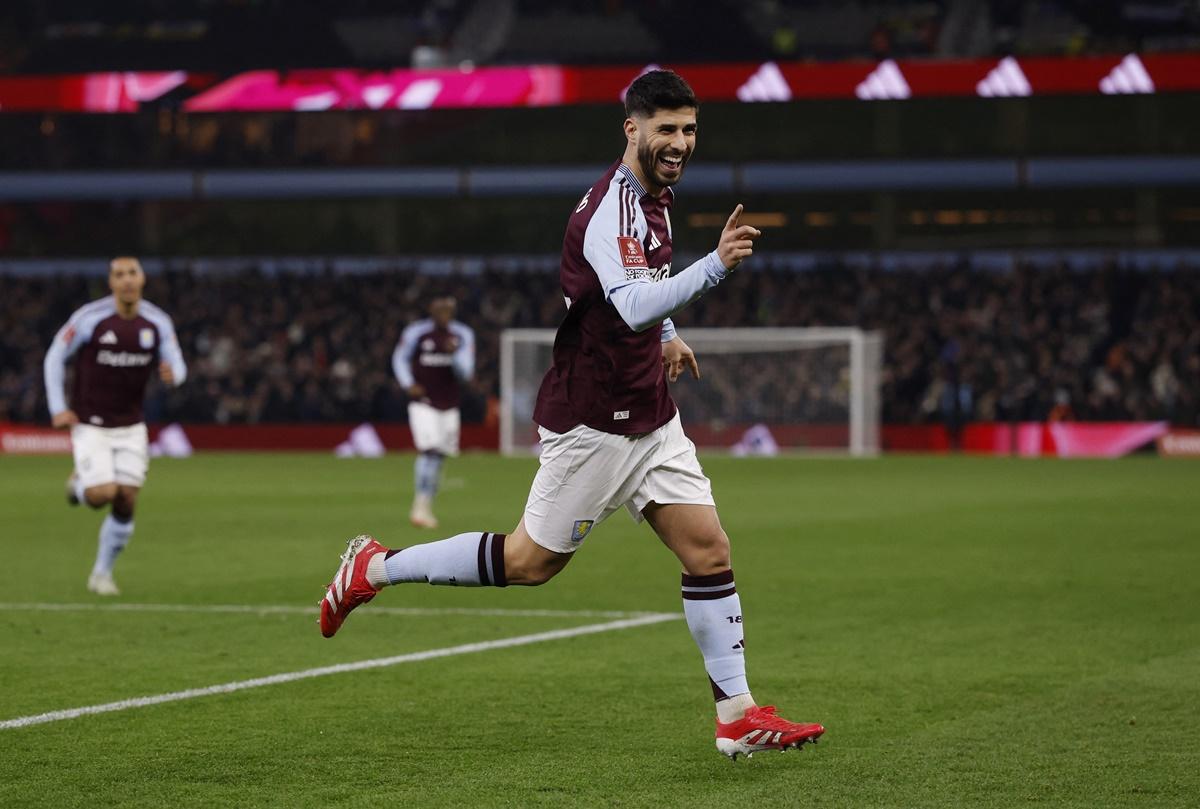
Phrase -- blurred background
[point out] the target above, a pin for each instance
(1008, 191)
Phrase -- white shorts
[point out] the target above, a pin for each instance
(586, 475)
(110, 454)
(434, 430)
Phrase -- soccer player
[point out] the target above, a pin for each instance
(434, 356)
(610, 433)
(118, 340)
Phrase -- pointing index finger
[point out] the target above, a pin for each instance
(733, 217)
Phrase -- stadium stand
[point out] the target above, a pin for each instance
(1046, 340)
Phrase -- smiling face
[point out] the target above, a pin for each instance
(662, 144)
(126, 279)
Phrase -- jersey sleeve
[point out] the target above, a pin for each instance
(169, 350)
(613, 248)
(611, 245)
(67, 341)
(668, 331)
(464, 355)
(644, 303)
(402, 357)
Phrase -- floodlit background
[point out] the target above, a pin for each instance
(981, 247)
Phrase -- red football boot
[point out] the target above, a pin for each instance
(349, 587)
(762, 729)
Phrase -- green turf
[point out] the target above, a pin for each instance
(972, 632)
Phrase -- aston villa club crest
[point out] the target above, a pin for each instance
(146, 338)
(581, 529)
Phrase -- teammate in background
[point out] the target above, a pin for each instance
(434, 356)
(118, 339)
(611, 435)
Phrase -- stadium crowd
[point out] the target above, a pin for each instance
(1038, 342)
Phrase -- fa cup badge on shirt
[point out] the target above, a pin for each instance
(631, 252)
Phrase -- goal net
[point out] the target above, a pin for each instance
(761, 391)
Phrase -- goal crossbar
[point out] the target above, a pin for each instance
(863, 350)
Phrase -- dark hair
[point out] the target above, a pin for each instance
(658, 90)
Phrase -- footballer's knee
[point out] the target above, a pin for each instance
(102, 495)
(694, 534)
(707, 554)
(528, 563)
(124, 502)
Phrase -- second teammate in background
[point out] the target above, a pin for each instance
(611, 436)
(431, 361)
(119, 340)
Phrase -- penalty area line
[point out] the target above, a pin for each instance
(340, 668)
(293, 609)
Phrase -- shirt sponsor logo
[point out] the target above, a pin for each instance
(581, 529)
(108, 338)
(435, 360)
(146, 338)
(122, 359)
(649, 273)
(620, 415)
(631, 252)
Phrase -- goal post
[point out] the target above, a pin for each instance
(761, 391)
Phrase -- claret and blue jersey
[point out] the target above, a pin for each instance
(116, 356)
(438, 358)
(607, 371)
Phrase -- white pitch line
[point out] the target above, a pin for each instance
(293, 609)
(340, 668)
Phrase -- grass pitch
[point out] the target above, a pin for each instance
(972, 632)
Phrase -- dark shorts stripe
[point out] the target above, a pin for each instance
(483, 574)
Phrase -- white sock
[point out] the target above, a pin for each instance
(114, 536)
(474, 559)
(422, 503)
(714, 616)
(734, 708)
(427, 474)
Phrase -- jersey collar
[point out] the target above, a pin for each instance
(630, 177)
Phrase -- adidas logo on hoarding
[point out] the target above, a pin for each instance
(1005, 80)
(885, 81)
(767, 84)
(1127, 78)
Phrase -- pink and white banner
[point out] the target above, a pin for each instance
(558, 85)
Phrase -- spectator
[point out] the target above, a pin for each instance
(958, 344)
